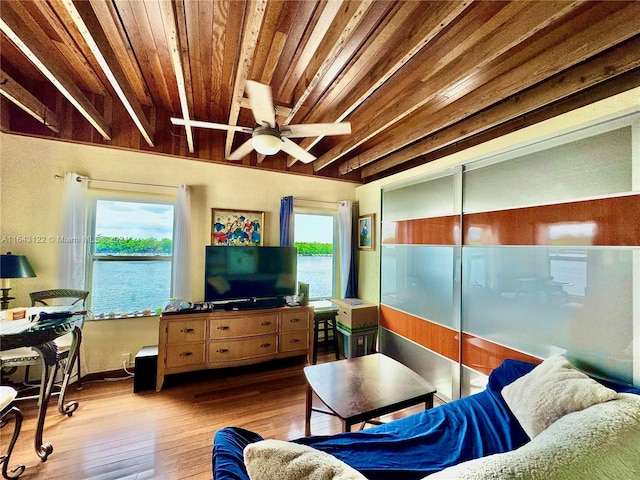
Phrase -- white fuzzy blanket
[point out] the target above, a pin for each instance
(601, 442)
(279, 460)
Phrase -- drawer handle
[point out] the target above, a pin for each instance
(294, 340)
(186, 330)
(223, 327)
(264, 324)
(294, 320)
(265, 345)
(186, 354)
(222, 350)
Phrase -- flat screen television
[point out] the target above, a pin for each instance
(249, 273)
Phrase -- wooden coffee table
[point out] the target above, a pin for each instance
(361, 388)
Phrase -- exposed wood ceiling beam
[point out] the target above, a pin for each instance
(445, 14)
(27, 102)
(122, 48)
(10, 24)
(329, 57)
(455, 69)
(281, 111)
(613, 63)
(175, 29)
(89, 27)
(449, 112)
(249, 40)
(619, 84)
(54, 15)
(277, 46)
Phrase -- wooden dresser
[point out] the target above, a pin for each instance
(220, 339)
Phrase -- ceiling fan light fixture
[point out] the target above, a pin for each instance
(266, 142)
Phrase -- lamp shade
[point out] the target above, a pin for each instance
(266, 144)
(15, 266)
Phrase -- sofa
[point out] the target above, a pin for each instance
(546, 421)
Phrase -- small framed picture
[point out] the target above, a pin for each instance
(236, 227)
(366, 232)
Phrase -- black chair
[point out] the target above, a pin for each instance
(26, 356)
(76, 297)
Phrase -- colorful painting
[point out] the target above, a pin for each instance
(233, 227)
(366, 232)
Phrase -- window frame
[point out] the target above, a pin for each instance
(96, 195)
(335, 264)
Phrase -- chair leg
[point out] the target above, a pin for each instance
(79, 370)
(316, 326)
(17, 418)
(336, 347)
(71, 360)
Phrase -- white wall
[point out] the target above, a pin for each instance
(31, 199)
(369, 195)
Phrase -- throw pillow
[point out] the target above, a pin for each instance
(269, 459)
(550, 391)
(601, 442)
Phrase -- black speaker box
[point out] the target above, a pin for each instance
(146, 365)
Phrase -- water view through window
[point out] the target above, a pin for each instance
(131, 256)
(130, 286)
(314, 238)
(132, 252)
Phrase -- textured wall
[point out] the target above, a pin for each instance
(31, 206)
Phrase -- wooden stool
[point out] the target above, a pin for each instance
(325, 320)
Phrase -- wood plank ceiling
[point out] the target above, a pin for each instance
(416, 79)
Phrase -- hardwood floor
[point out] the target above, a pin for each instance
(118, 434)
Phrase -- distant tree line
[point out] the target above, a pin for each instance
(314, 248)
(133, 246)
(152, 246)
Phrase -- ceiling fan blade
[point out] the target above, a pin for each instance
(261, 100)
(296, 150)
(316, 129)
(212, 125)
(242, 151)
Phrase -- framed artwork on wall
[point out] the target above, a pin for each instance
(366, 232)
(236, 227)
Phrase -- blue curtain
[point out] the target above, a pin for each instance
(286, 222)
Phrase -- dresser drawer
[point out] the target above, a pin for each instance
(296, 320)
(294, 341)
(185, 331)
(186, 354)
(229, 350)
(243, 326)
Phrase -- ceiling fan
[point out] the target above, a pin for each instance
(268, 138)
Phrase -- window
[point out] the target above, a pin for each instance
(315, 237)
(568, 270)
(129, 267)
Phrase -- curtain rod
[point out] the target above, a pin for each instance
(318, 201)
(80, 178)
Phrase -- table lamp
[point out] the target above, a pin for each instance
(12, 266)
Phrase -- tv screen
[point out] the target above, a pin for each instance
(233, 273)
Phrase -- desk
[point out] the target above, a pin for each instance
(361, 388)
(40, 336)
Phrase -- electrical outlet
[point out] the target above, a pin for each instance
(125, 359)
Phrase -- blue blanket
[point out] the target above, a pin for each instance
(429, 441)
(409, 448)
